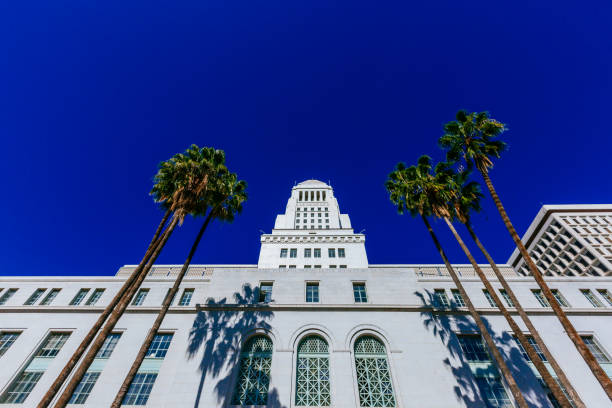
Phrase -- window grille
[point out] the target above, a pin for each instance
(540, 296)
(506, 297)
(50, 297)
(140, 389)
(7, 295)
(283, 253)
(35, 296)
(331, 252)
(560, 299)
(489, 298)
(95, 297)
(293, 253)
(317, 252)
(535, 346)
(312, 291)
(598, 353)
(473, 348)
(82, 391)
(493, 392)
(6, 341)
(140, 297)
(440, 299)
(186, 298)
(312, 381)
(79, 297)
(159, 346)
(108, 346)
(373, 376)
(265, 292)
(21, 387)
(458, 298)
(52, 345)
(359, 292)
(254, 374)
(591, 298)
(341, 253)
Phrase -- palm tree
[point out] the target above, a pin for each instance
(473, 138)
(465, 200)
(177, 185)
(224, 203)
(417, 190)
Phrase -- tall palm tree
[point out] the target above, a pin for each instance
(465, 200)
(473, 137)
(224, 202)
(417, 190)
(176, 184)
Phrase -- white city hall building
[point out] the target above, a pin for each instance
(314, 324)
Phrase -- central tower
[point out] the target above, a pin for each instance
(312, 233)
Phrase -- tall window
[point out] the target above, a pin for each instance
(317, 252)
(491, 388)
(83, 389)
(359, 292)
(331, 252)
(142, 385)
(489, 298)
(283, 253)
(50, 297)
(93, 299)
(540, 297)
(591, 298)
(265, 292)
(373, 375)
(458, 298)
(312, 292)
(186, 297)
(560, 299)
(440, 299)
(307, 252)
(312, 380)
(254, 375)
(79, 297)
(536, 348)
(35, 296)
(597, 351)
(506, 297)
(6, 341)
(606, 295)
(25, 382)
(341, 253)
(293, 253)
(140, 297)
(7, 295)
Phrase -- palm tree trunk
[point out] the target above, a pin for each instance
(160, 317)
(537, 361)
(74, 359)
(112, 320)
(501, 364)
(584, 351)
(536, 335)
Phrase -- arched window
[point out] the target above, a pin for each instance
(373, 376)
(254, 375)
(312, 380)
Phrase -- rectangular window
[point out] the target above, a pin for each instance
(359, 293)
(24, 383)
(109, 345)
(560, 299)
(595, 348)
(307, 266)
(591, 298)
(282, 266)
(6, 341)
(317, 252)
(293, 253)
(440, 298)
(95, 296)
(79, 297)
(312, 292)
(50, 297)
(140, 297)
(606, 295)
(540, 296)
(493, 392)
(265, 292)
(535, 346)
(331, 252)
(307, 252)
(7, 295)
(283, 253)
(318, 266)
(473, 348)
(292, 267)
(342, 266)
(159, 346)
(332, 266)
(82, 391)
(140, 389)
(186, 297)
(341, 253)
(489, 298)
(458, 298)
(35, 296)
(506, 297)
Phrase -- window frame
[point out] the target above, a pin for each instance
(311, 284)
(365, 292)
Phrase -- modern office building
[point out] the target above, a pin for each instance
(312, 324)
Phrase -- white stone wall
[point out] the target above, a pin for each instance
(425, 364)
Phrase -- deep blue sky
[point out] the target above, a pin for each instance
(94, 94)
